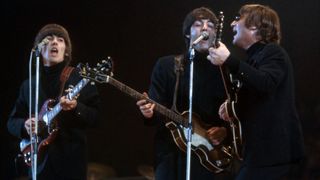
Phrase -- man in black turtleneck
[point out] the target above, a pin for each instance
(208, 94)
(272, 136)
(66, 155)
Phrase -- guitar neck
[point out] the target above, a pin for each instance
(225, 71)
(50, 115)
(137, 96)
(231, 84)
(225, 79)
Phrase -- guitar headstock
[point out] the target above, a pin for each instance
(99, 73)
(219, 29)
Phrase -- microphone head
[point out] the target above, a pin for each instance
(39, 46)
(45, 41)
(205, 35)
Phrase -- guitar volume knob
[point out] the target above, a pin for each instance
(219, 163)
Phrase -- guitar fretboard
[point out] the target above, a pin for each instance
(49, 115)
(137, 96)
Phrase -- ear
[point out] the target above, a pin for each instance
(253, 28)
(254, 32)
(187, 36)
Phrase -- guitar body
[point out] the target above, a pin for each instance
(236, 129)
(25, 146)
(45, 139)
(232, 86)
(214, 158)
(49, 110)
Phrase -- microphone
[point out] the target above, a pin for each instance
(203, 36)
(39, 46)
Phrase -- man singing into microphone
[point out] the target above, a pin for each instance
(208, 94)
(65, 157)
(273, 141)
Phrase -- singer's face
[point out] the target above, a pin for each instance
(195, 31)
(244, 37)
(53, 53)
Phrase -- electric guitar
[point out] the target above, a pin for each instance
(232, 87)
(47, 116)
(213, 158)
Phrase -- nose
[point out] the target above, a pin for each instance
(205, 26)
(54, 40)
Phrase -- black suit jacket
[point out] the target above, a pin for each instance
(271, 128)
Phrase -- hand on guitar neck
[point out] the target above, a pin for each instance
(67, 104)
(145, 107)
(219, 55)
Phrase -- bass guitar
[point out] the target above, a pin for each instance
(213, 158)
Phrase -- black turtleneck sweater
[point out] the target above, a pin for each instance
(50, 79)
(208, 95)
(266, 106)
(67, 154)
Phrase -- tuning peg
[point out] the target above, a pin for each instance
(79, 65)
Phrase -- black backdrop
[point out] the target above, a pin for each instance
(135, 34)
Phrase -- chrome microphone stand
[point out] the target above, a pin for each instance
(189, 129)
(34, 134)
(203, 36)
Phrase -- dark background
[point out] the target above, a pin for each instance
(135, 34)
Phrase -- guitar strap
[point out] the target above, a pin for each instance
(178, 68)
(64, 77)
